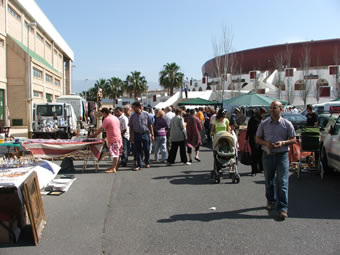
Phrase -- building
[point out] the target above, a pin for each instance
(283, 71)
(35, 61)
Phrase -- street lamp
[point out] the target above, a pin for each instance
(29, 80)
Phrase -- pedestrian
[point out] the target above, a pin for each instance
(127, 110)
(113, 135)
(193, 128)
(177, 138)
(125, 131)
(186, 91)
(168, 116)
(140, 132)
(275, 134)
(160, 127)
(219, 123)
(256, 151)
(312, 117)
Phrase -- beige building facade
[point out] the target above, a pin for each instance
(35, 61)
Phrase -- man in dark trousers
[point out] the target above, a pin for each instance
(256, 151)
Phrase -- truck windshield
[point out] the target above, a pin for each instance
(49, 110)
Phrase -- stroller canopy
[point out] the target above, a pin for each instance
(223, 135)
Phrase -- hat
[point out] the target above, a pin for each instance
(237, 109)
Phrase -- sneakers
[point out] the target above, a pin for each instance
(168, 164)
(187, 163)
(137, 169)
(283, 215)
(270, 206)
(198, 159)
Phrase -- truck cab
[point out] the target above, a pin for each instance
(54, 120)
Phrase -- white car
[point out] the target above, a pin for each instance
(331, 148)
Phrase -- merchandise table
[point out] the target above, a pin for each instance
(52, 149)
(9, 145)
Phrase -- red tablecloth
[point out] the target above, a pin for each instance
(50, 148)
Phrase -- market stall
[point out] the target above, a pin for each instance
(53, 149)
(20, 184)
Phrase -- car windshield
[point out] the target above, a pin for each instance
(49, 110)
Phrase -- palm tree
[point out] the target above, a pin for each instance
(101, 83)
(114, 88)
(135, 84)
(170, 77)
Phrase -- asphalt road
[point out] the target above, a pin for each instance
(166, 210)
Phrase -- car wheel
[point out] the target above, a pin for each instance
(322, 172)
(324, 161)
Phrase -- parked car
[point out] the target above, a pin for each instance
(297, 119)
(330, 153)
(326, 121)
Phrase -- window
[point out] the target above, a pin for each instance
(37, 94)
(1, 2)
(252, 75)
(2, 43)
(289, 72)
(40, 37)
(37, 73)
(333, 70)
(48, 45)
(299, 85)
(14, 13)
(56, 82)
(48, 78)
(49, 98)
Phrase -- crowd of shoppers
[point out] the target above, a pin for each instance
(134, 130)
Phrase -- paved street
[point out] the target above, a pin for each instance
(165, 210)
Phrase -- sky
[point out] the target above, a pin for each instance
(112, 38)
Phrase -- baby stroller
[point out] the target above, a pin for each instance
(225, 161)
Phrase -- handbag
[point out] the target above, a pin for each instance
(245, 155)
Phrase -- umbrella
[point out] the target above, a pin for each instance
(251, 99)
(198, 101)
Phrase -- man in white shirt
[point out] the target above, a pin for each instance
(168, 115)
(124, 127)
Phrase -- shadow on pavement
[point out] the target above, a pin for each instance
(187, 178)
(211, 216)
(309, 197)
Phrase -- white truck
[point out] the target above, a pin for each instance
(79, 106)
(54, 120)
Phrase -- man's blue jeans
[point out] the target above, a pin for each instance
(276, 173)
(142, 142)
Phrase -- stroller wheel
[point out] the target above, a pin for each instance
(214, 177)
(237, 178)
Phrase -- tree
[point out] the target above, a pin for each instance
(223, 59)
(114, 89)
(170, 77)
(290, 87)
(279, 66)
(135, 84)
(89, 95)
(337, 74)
(101, 83)
(305, 61)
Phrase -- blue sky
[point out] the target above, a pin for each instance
(111, 38)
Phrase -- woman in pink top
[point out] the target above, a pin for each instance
(114, 139)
